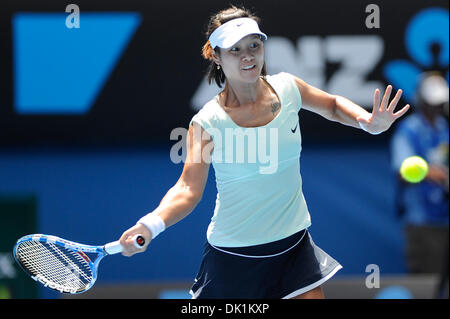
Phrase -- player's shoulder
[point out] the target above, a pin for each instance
(281, 76)
(208, 115)
(283, 81)
(209, 108)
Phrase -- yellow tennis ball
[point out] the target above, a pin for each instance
(414, 169)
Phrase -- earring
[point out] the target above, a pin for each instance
(218, 67)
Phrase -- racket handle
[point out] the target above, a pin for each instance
(138, 241)
(115, 247)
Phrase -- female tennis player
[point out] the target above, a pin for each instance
(258, 245)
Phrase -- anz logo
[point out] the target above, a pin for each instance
(61, 70)
(358, 56)
(427, 43)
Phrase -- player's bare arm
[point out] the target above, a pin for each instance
(340, 109)
(184, 196)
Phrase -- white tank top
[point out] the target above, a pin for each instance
(257, 169)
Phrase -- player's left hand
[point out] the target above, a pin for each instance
(383, 114)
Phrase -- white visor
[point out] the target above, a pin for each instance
(232, 31)
(434, 90)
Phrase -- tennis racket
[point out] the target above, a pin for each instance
(63, 265)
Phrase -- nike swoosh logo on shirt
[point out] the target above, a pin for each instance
(294, 129)
(324, 263)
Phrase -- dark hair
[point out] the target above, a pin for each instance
(216, 21)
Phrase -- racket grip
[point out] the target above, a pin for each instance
(116, 247)
(138, 241)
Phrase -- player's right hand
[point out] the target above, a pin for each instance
(126, 240)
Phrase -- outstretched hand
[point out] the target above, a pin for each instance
(383, 114)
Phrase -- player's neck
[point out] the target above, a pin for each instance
(238, 94)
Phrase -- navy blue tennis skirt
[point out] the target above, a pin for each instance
(281, 269)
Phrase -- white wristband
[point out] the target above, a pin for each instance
(154, 223)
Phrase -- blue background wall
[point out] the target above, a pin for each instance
(92, 196)
(91, 185)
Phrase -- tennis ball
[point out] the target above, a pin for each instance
(414, 169)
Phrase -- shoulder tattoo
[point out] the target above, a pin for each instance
(275, 107)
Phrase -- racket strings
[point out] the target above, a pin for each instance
(55, 265)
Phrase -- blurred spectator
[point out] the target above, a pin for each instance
(424, 206)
